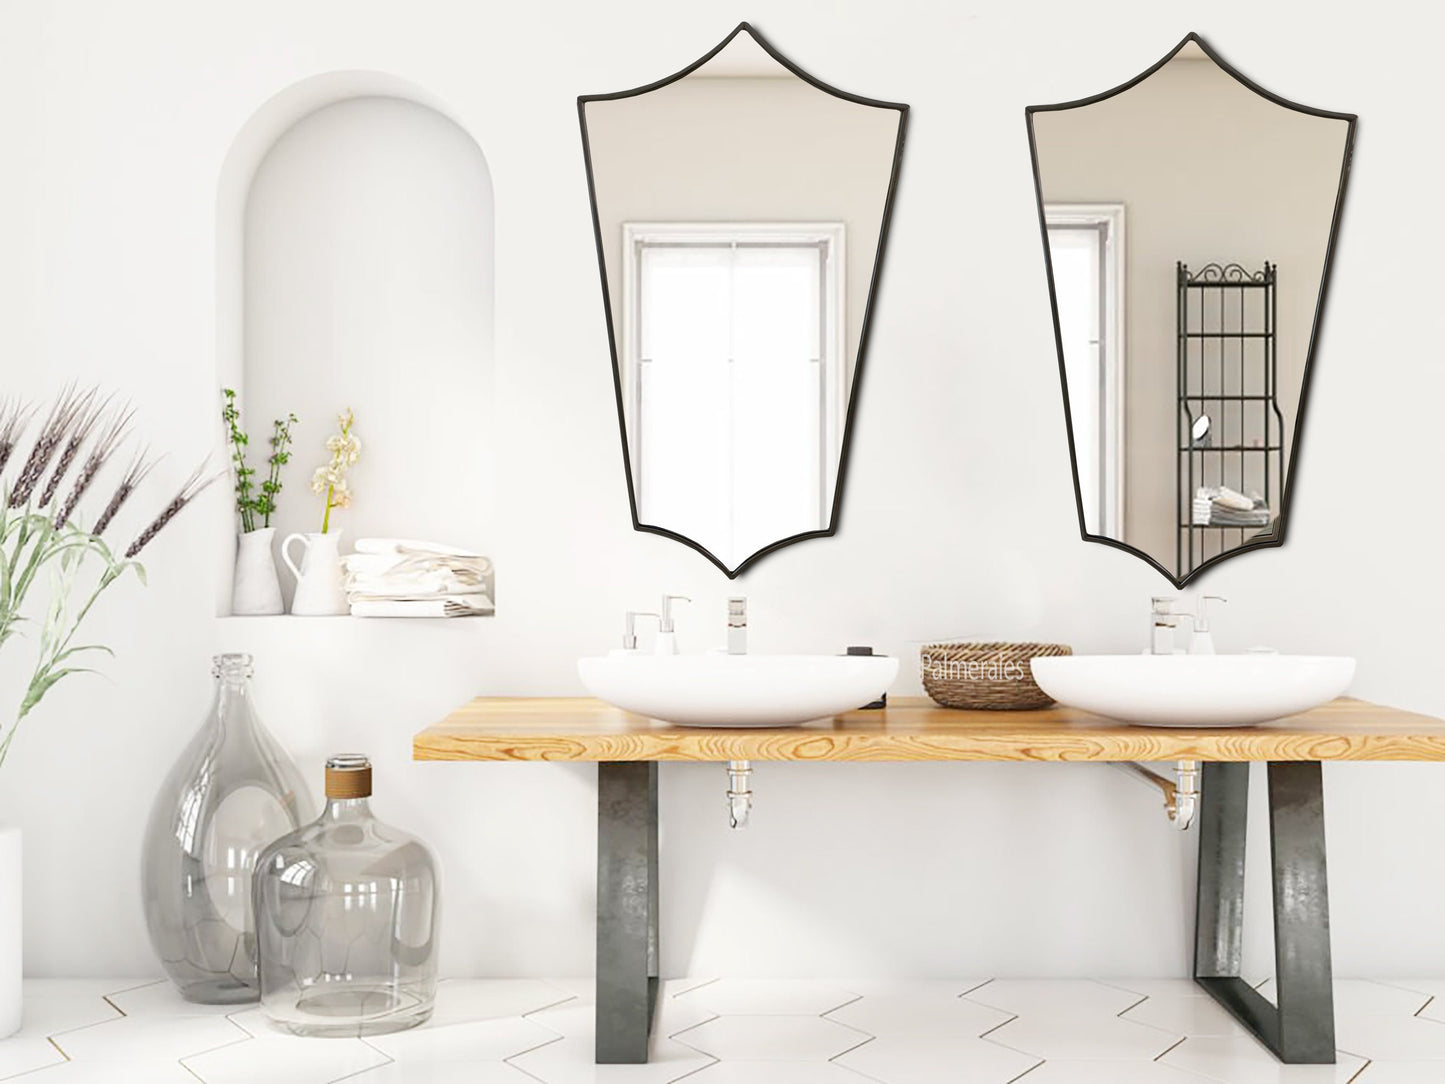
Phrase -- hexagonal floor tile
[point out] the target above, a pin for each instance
(1240, 1059)
(84, 1072)
(1110, 1072)
(1081, 1038)
(910, 987)
(577, 1018)
(1392, 1037)
(1435, 988)
(1399, 1072)
(467, 1000)
(907, 1014)
(569, 1061)
(1157, 987)
(148, 1038)
(471, 1041)
(777, 1072)
(481, 1072)
(1188, 1014)
(772, 1038)
(25, 1053)
(767, 997)
(276, 1057)
(935, 1060)
(1073, 998)
(50, 1006)
(161, 998)
(1362, 997)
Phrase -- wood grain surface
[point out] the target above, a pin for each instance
(548, 728)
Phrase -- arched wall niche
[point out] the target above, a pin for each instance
(355, 229)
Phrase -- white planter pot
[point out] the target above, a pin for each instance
(11, 969)
(320, 586)
(256, 590)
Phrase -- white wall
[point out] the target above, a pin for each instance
(959, 515)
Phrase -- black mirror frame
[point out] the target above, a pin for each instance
(864, 327)
(1276, 536)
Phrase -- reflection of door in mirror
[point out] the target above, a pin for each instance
(721, 198)
(1184, 378)
(1087, 247)
(732, 378)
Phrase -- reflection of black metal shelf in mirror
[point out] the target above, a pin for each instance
(1230, 429)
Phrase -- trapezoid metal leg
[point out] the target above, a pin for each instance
(1300, 1028)
(627, 906)
(1301, 912)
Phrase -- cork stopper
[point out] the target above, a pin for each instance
(348, 776)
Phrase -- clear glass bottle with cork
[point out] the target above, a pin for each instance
(346, 918)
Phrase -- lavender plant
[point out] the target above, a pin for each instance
(79, 563)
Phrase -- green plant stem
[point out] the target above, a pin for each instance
(245, 503)
(326, 516)
(59, 632)
(280, 456)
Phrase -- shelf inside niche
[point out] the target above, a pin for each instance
(363, 279)
(288, 620)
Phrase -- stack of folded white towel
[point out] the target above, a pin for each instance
(1220, 506)
(401, 577)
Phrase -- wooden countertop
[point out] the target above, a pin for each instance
(499, 728)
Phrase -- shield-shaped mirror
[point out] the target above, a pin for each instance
(741, 209)
(1189, 217)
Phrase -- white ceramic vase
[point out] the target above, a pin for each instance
(320, 587)
(11, 969)
(256, 590)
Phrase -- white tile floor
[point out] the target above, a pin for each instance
(730, 1031)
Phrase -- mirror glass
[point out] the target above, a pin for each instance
(740, 209)
(1189, 218)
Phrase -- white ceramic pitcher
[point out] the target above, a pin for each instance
(255, 589)
(320, 587)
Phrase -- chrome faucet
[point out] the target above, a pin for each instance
(629, 634)
(1163, 620)
(1202, 642)
(737, 625)
(664, 622)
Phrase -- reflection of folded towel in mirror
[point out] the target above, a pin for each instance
(1220, 506)
(394, 577)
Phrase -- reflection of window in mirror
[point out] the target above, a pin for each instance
(1087, 250)
(732, 377)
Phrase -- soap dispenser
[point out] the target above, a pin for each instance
(666, 642)
(1202, 642)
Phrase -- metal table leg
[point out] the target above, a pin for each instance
(627, 897)
(1301, 1028)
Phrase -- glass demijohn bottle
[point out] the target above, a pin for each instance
(346, 918)
(233, 791)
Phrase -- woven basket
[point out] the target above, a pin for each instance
(994, 677)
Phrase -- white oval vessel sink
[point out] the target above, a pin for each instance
(1194, 690)
(737, 690)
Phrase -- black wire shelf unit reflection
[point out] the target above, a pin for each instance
(1227, 373)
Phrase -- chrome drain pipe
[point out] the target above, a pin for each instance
(740, 793)
(1181, 794)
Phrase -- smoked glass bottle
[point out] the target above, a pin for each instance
(233, 792)
(346, 918)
